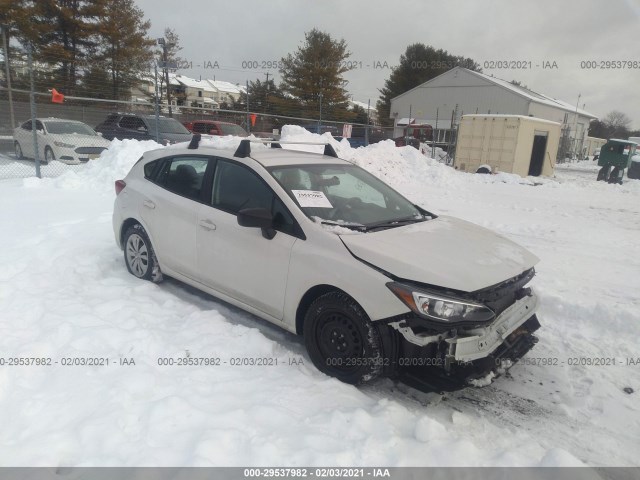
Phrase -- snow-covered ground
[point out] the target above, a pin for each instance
(65, 293)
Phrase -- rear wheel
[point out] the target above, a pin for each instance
(139, 255)
(341, 340)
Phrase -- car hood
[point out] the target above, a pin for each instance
(81, 140)
(445, 252)
(173, 137)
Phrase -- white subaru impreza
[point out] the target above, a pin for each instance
(317, 245)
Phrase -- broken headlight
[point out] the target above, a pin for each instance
(440, 308)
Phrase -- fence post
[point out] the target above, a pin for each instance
(8, 73)
(32, 101)
(157, 106)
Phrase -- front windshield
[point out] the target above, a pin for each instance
(167, 125)
(345, 195)
(67, 128)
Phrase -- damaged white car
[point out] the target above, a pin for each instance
(377, 286)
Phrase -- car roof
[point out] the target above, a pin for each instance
(267, 157)
(54, 119)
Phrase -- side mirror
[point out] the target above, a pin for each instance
(257, 218)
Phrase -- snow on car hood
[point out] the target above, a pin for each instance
(81, 140)
(446, 252)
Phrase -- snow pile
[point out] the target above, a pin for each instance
(65, 293)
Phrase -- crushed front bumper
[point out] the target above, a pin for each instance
(445, 362)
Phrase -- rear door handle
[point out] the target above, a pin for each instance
(207, 224)
(149, 204)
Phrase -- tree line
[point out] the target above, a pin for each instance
(102, 49)
(94, 48)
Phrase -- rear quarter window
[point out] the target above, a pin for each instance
(149, 169)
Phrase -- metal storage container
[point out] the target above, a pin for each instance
(507, 143)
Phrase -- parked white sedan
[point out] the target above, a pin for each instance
(320, 247)
(67, 141)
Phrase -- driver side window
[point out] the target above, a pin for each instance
(236, 187)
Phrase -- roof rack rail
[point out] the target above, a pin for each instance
(195, 141)
(244, 150)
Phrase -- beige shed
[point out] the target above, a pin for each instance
(507, 143)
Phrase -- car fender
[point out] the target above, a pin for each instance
(326, 261)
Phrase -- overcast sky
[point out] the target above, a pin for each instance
(566, 32)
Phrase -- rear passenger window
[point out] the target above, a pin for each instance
(184, 176)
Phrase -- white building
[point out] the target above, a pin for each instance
(461, 91)
(226, 92)
(195, 93)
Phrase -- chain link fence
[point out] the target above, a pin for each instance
(46, 134)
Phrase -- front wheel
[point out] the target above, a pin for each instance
(18, 149)
(48, 155)
(341, 340)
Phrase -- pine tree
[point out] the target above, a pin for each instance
(61, 33)
(312, 77)
(264, 97)
(172, 42)
(418, 64)
(124, 50)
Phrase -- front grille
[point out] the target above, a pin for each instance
(90, 150)
(501, 296)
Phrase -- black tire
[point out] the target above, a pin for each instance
(48, 156)
(18, 150)
(139, 256)
(483, 170)
(335, 317)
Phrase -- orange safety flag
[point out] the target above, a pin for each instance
(253, 117)
(56, 97)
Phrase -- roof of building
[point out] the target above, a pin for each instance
(522, 117)
(227, 87)
(203, 85)
(517, 89)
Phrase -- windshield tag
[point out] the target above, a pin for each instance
(312, 199)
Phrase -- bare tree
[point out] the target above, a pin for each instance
(617, 123)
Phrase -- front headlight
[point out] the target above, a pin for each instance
(64, 145)
(441, 309)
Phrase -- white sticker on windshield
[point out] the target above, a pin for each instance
(312, 198)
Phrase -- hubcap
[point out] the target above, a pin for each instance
(137, 255)
(48, 155)
(339, 338)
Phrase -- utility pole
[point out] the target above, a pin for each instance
(32, 101)
(320, 121)
(268, 75)
(8, 73)
(366, 129)
(248, 119)
(157, 106)
(575, 129)
(165, 66)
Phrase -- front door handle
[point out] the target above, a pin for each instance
(207, 224)
(149, 204)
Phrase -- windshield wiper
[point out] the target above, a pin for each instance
(398, 222)
(351, 226)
